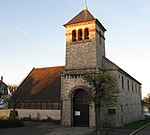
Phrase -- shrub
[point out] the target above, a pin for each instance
(11, 123)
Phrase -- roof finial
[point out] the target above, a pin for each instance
(85, 5)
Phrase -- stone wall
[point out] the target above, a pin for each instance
(87, 53)
(69, 85)
(81, 55)
(130, 99)
(129, 107)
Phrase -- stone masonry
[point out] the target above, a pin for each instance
(88, 55)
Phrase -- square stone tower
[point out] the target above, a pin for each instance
(85, 49)
(85, 42)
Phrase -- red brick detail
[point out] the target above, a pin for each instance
(68, 34)
(92, 30)
(81, 23)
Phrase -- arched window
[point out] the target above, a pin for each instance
(86, 33)
(74, 36)
(80, 34)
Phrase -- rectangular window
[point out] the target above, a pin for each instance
(38, 105)
(44, 105)
(111, 111)
(139, 90)
(49, 105)
(136, 88)
(22, 105)
(27, 105)
(32, 105)
(56, 105)
(132, 87)
(122, 82)
(52, 105)
(128, 85)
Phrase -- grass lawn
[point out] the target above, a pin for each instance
(136, 125)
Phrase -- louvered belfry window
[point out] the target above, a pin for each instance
(73, 36)
(80, 34)
(86, 33)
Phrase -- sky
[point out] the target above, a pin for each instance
(32, 35)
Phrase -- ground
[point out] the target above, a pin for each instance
(40, 128)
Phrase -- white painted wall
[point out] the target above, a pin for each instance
(42, 114)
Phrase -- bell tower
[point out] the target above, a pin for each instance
(85, 42)
(85, 49)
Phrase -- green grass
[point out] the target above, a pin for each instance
(136, 125)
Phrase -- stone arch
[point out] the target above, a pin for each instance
(80, 35)
(74, 89)
(73, 35)
(86, 33)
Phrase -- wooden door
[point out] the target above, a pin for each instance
(80, 109)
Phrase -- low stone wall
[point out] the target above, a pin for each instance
(39, 114)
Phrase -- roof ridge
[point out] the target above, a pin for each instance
(49, 67)
(82, 16)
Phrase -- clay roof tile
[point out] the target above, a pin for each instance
(42, 84)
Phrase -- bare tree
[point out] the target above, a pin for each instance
(103, 90)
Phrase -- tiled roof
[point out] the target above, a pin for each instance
(42, 84)
(84, 15)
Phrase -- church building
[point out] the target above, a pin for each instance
(85, 52)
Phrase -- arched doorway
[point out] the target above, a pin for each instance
(80, 108)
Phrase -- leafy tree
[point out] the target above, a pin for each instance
(3, 94)
(11, 96)
(147, 100)
(103, 90)
(14, 97)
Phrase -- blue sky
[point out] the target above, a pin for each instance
(32, 35)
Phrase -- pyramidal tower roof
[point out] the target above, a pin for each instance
(83, 16)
